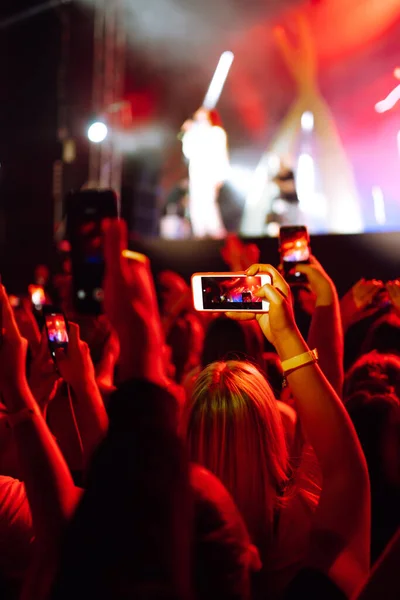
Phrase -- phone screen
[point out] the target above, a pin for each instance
(57, 331)
(294, 245)
(294, 248)
(85, 213)
(231, 293)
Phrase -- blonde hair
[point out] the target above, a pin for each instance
(234, 429)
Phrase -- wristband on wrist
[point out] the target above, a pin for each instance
(25, 414)
(297, 362)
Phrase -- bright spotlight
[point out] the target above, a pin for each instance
(97, 132)
(218, 81)
(398, 142)
(305, 182)
(389, 102)
(307, 121)
(379, 205)
(241, 178)
(396, 72)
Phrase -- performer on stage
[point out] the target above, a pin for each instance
(285, 202)
(204, 145)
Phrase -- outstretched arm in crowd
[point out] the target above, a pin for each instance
(326, 333)
(131, 306)
(357, 302)
(51, 492)
(77, 370)
(384, 581)
(341, 526)
(131, 532)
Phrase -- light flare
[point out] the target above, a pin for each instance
(218, 81)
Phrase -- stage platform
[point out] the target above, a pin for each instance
(346, 258)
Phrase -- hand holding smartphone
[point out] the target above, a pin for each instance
(56, 329)
(228, 292)
(86, 211)
(294, 248)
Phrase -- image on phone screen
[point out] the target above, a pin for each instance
(57, 332)
(231, 293)
(85, 213)
(296, 248)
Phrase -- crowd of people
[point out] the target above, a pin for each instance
(173, 455)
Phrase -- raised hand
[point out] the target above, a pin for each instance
(75, 364)
(320, 282)
(130, 303)
(358, 299)
(27, 324)
(43, 377)
(237, 255)
(393, 289)
(13, 350)
(279, 322)
(363, 293)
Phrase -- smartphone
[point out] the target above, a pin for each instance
(294, 248)
(85, 211)
(56, 329)
(38, 296)
(227, 292)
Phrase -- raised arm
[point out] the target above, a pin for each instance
(342, 520)
(131, 532)
(354, 304)
(76, 368)
(326, 333)
(393, 288)
(50, 489)
(131, 305)
(238, 255)
(384, 581)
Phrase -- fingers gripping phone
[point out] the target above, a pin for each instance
(227, 292)
(85, 212)
(294, 248)
(56, 329)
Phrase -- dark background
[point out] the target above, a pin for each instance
(173, 50)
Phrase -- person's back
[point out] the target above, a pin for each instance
(235, 430)
(145, 515)
(376, 418)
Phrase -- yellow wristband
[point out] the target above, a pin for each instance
(301, 360)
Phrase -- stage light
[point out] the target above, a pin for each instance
(97, 132)
(396, 72)
(389, 102)
(305, 182)
(218, 81)
(379, 205)
(241, 178)
(307, 121)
